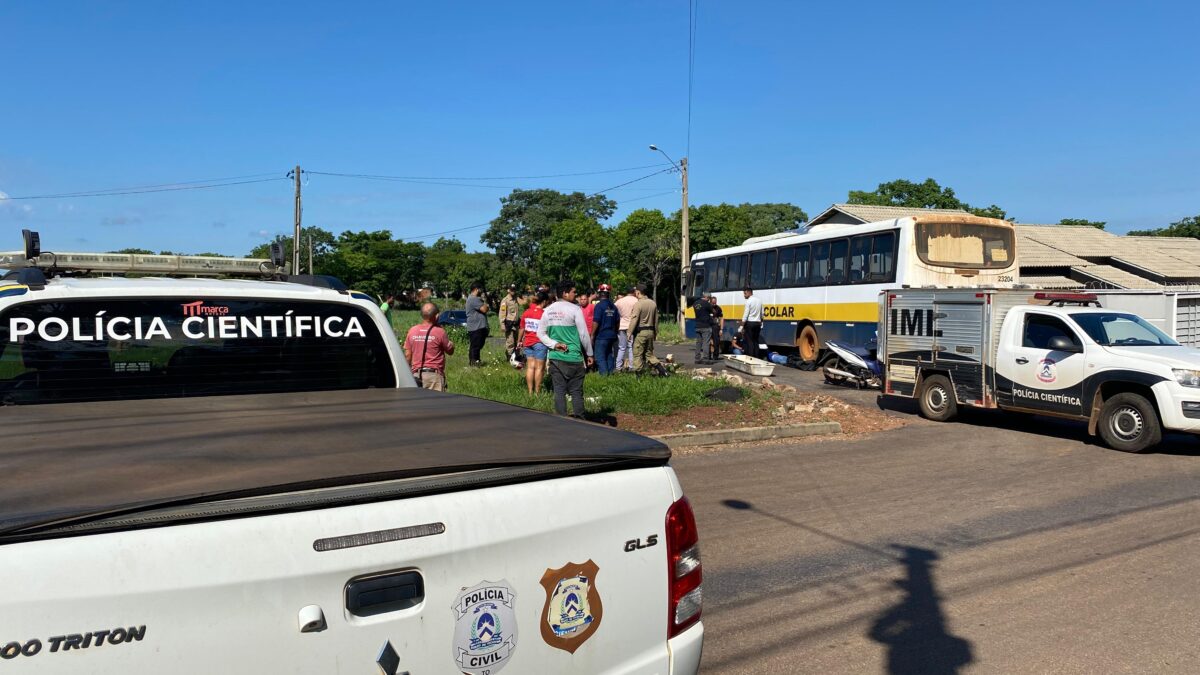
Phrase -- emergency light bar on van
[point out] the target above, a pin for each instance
(1064, 298)
(123, 263)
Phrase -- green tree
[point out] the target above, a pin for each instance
(528, 216)
(323, 242)
(1083, 222)
(926, 195)
(577, 249)
(646, 247)
(716, 226)
(1188, 227)
(134, 251)
(375, 263)
(772, 218)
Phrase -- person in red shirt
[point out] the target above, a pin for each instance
(589, 310)
(535, 351)
(426, 347)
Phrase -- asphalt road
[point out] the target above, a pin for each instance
(1002, 544)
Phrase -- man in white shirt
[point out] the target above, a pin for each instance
(752, 321)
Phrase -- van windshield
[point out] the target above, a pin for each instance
(1116, 329)
(968, 245)
(93, 350)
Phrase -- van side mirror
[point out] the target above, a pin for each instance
(1061, 343)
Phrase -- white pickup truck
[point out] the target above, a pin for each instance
(229, 476)
(1039, 352)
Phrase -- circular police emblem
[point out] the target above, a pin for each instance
(485, 628)
(573, 609)
(1047, 371)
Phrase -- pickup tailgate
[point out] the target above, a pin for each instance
(226, 596)
(553, 575)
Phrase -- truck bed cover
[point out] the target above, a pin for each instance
(70, 459)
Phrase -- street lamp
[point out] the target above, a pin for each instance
(684, 248)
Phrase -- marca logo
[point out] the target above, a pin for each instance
(198, 308)
(914, 322)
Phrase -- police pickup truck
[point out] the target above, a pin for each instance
(1039, 352)
(240, 476)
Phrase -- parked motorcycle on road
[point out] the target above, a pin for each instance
(854, 365)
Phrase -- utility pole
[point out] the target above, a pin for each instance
(684, 245)
(296, 235)
(310, 267)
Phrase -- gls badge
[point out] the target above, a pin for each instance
(637, 545)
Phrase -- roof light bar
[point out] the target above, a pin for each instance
(1066, 297)
(123, 263)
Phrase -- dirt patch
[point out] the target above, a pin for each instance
(765, 408)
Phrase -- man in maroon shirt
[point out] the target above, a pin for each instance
(426, 347)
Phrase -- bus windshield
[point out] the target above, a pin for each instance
(967, 245)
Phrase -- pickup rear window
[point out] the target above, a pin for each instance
(89, 350)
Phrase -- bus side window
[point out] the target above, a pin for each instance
(718, 283)
(820, 263)
(698, 286)
(787, 268)
(762, 269)
(883, 258)
(737, 276)
(837, 261)
(860, 253)
(802, 266)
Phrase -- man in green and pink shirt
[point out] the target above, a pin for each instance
(566, 333)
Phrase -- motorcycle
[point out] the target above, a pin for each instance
(853, 364)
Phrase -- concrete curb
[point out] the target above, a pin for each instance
(719, 436)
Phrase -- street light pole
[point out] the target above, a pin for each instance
(684, 245)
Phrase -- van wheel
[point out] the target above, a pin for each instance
(1129, 423)
(807, 343)
(937, 399)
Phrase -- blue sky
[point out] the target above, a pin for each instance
(1050, 109)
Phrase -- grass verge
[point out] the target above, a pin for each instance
(605, 396)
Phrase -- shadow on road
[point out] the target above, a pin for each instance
(914, 630)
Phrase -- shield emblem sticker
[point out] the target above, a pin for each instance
(573, 608)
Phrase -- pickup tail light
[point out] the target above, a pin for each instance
(684, 572)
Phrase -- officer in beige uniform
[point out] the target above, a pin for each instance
(509, 315)
(643, 325)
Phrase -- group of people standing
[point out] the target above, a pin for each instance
(710, 326)
(557, 329)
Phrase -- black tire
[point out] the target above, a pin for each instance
(1129, 423)
(936, 399)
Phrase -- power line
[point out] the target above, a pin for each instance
(631, 182)
(469, 227)
(166, 187)
(693, 19)
(660, 194)
(429, 178)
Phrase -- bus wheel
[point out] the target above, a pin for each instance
(1129, 423)
(807, 343)
(937, 399)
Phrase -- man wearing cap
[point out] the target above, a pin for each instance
(510, 312)
(606, 321)
(643, 325)
(625, 305)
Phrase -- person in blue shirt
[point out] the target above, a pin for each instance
(606, 321)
